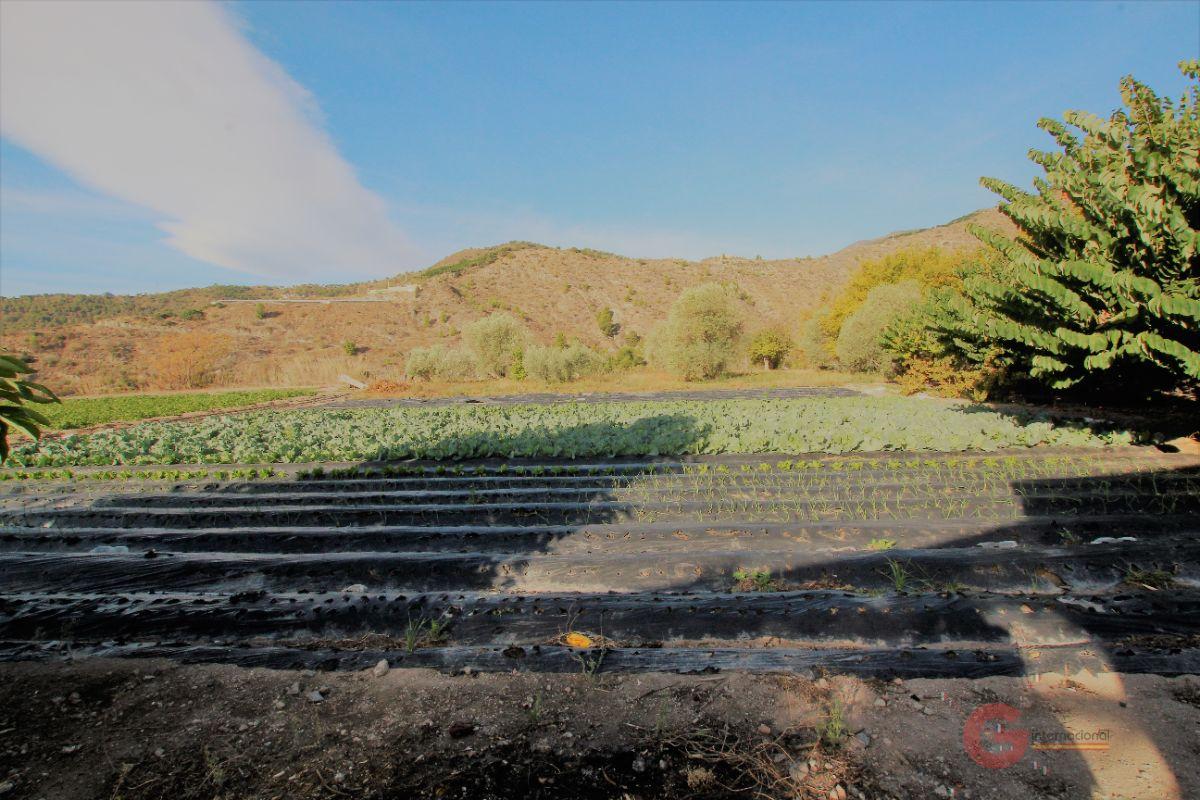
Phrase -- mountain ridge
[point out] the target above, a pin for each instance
(98, 343)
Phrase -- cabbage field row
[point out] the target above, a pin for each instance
(830, 425)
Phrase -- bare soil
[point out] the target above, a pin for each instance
(131, 730)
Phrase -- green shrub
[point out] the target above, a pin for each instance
(608, 326)
(441, 363)
(813, 346)
(560, 365)
(769, 347)
(700, 334)
(626, 358)
(349, 347)
(859, 345)
(260, 311)
(928, 266)
(494, 341)
(1101, 290)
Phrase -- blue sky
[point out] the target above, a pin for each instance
(649, 129)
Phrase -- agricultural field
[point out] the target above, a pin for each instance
(82, 412)
(837, 424)
(660, 563)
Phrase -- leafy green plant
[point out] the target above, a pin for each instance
(349, 347)
(16, 395)
(881, 544)
(1102, 287)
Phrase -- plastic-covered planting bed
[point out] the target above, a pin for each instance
(882, 564)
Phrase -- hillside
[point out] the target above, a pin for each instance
(101, 343)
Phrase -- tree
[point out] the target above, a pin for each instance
(16, 394)
(701, 332)
(608, 326)
(1102, 286)
(770, 347)
(494, 341)
(860, 343)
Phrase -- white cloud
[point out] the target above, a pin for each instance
(166, 105)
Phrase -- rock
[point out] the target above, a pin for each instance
(941, 791)
(159, 752)
(638, 765)
(880, 702)
(294, 689)
(6, 787)
(799, 770)
(458, 730)
(315, 696)
(927, 711)
(355, 588)
(380, 669)
(764, 729)
(71, 748)
(280, 705)
(863, 737)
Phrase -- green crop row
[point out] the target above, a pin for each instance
(569, 430)
(86, 411)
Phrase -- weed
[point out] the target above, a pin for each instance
(881, 544)
(1152, 579)
(898, 574)
(833, 730)
(754, 581)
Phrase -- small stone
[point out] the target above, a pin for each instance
(159, 752)
(75, 698)
(863, 737)
(315, 696)
(381, 668)
(339, 777)
(880, 702)
(638, 765)
(71, 748)
(294, 689)
(941, 791)
(354, 588)
(280, 705)
(764, 729)
(927, 711)
(1026, 609)
(243, 728)
(798, 771)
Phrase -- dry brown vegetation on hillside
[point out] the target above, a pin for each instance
(121, 342)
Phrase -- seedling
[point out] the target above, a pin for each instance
(881, 544)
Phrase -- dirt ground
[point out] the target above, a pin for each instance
(130, 729)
